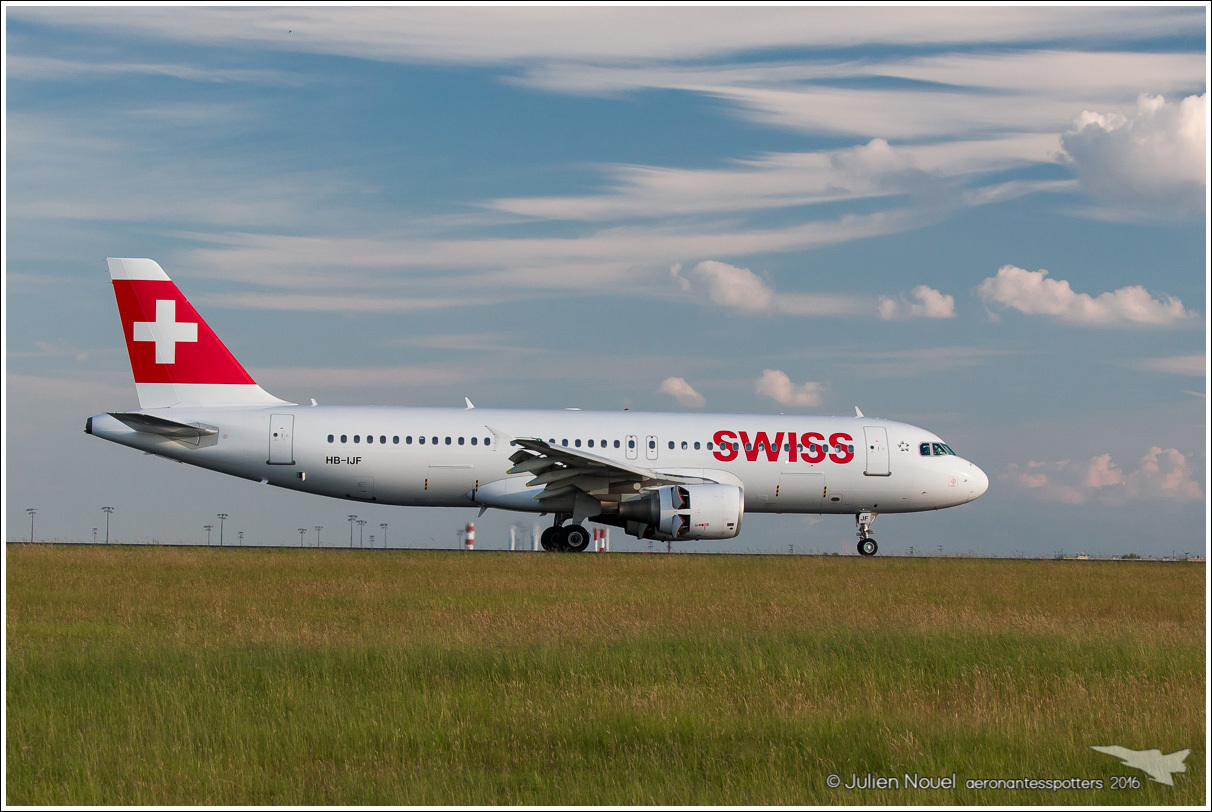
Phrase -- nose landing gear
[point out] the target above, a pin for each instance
(866, 545)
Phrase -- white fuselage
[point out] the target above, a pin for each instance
(460, 457)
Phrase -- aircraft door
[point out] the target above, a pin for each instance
(633, 446)
(281, 439)
(877, 451)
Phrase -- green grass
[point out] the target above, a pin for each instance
(149, 676)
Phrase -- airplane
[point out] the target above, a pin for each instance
(1160, 767)
(657, 475)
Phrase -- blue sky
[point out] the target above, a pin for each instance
(988, 222)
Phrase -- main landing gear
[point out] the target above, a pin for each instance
(571, 539)
(866, 545)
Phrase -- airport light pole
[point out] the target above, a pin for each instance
(353, 517)
(319, 527)
(221, 516)
(383, 525)
(107, 510)
(361, 527)
(31, 512)
(302, 531)
(241, 538)
(208, 528)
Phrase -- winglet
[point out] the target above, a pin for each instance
(857, 412)
(470, 405)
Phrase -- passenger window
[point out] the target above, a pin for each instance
(671, 445)
(434, 440)
(616, 443)
(577, 443)
(631, 443)
(460, 441)
(421, 440)
(357, 438)
(475, 440)
(370, 438)
(383, 439)
(330, 438)
(486, 440)
(408, 440)
(696, 446)
(591, 443)
(344, 438)
(396, 439)
(564, 442)
(447, 441)
(685, 445)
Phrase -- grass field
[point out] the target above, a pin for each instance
(160, 675)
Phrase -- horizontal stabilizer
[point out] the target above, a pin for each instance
(189, 433)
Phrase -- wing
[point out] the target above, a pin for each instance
(585, 479)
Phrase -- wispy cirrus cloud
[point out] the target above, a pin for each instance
(514, 36)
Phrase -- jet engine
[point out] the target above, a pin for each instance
(685, 512)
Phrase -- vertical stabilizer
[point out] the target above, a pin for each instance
(177, 360)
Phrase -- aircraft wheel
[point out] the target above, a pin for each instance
(868, 546)
(575, 538)
(550, 539)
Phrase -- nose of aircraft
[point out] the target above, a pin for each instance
(978, 483)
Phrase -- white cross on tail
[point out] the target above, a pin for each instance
(166, 331)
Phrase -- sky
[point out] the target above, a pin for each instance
(990, 222)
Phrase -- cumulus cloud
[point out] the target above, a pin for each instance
(926, 303)
(1161, 474)
(727, 285)
(682, 392)
(1152, 159)
(775, 384)
(1033, 293)
(742, 290)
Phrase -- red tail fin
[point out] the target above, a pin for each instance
(177, 360)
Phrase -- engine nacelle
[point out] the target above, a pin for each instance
(685, 512)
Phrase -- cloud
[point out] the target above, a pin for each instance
(682, 392)
(775, 384)
(928, 304)
(1151, 160)
(742, 290)
(727, 285)
(1161, 474)
(1195, 366)
(1032, 293)
(601, 35)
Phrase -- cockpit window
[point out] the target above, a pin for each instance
(935, 449)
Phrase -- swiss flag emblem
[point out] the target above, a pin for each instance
(167, 340)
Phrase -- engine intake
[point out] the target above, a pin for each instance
(685, 512)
